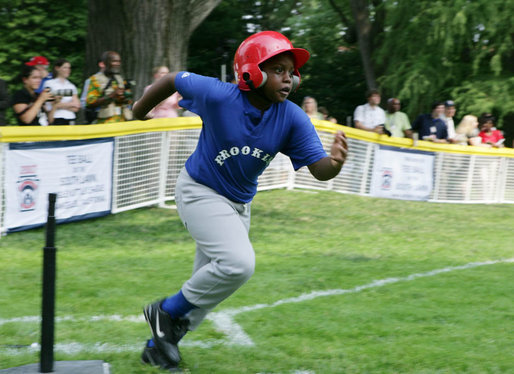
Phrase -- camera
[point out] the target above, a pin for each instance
(63, 92)
(129, 84)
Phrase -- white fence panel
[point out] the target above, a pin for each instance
(137, 170)
(147, 166)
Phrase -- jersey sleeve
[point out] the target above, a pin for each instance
(304, 146)
(194, 90)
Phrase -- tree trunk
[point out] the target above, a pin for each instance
(363, 26)
(145, 34)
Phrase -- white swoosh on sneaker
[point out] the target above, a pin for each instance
(158, 330)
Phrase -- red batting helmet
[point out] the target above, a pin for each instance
(258, 48)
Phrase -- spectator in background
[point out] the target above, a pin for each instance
(28, 106)
(430, 126)
(310, 107)
(326, 115)
(109, 92)
(4, 101)
(168, 108)
(41, 63)
(488, 132)
(90, 113)
(467, 131)
(397, 123)
(69, 104)
(369, 116)
(447, 117)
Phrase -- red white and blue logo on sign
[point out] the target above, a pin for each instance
(27, 192)
(387, 177)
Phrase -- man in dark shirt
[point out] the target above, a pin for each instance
(430, 126)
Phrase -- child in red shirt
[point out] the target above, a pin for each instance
(488, 133)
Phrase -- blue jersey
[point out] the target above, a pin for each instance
(238, 141)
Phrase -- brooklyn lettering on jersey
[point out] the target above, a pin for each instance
(243, 151)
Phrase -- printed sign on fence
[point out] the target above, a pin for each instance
(402, 173)
(79, 172)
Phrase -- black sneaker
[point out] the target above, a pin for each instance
(152, 356)
(166, 331)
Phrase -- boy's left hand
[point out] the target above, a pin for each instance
(339, 149)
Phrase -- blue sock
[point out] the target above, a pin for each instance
(177, 306)
(150, 343)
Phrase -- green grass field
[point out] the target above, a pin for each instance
(411, 287)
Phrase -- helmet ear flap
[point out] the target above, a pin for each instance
(252, 77)
(264, 78)
(296, 82)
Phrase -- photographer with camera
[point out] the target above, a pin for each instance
(28, 106)
(61, 87)
(109, 92)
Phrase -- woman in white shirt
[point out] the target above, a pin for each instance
(69, 104)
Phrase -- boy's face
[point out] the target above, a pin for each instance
(280, 77)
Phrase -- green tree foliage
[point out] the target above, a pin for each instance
(421, 52)
(54, 29)
(438, 50)
(215, 41)
(334, 74)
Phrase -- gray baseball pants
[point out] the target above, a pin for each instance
(224, 259)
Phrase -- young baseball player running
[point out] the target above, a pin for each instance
(244, 126)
